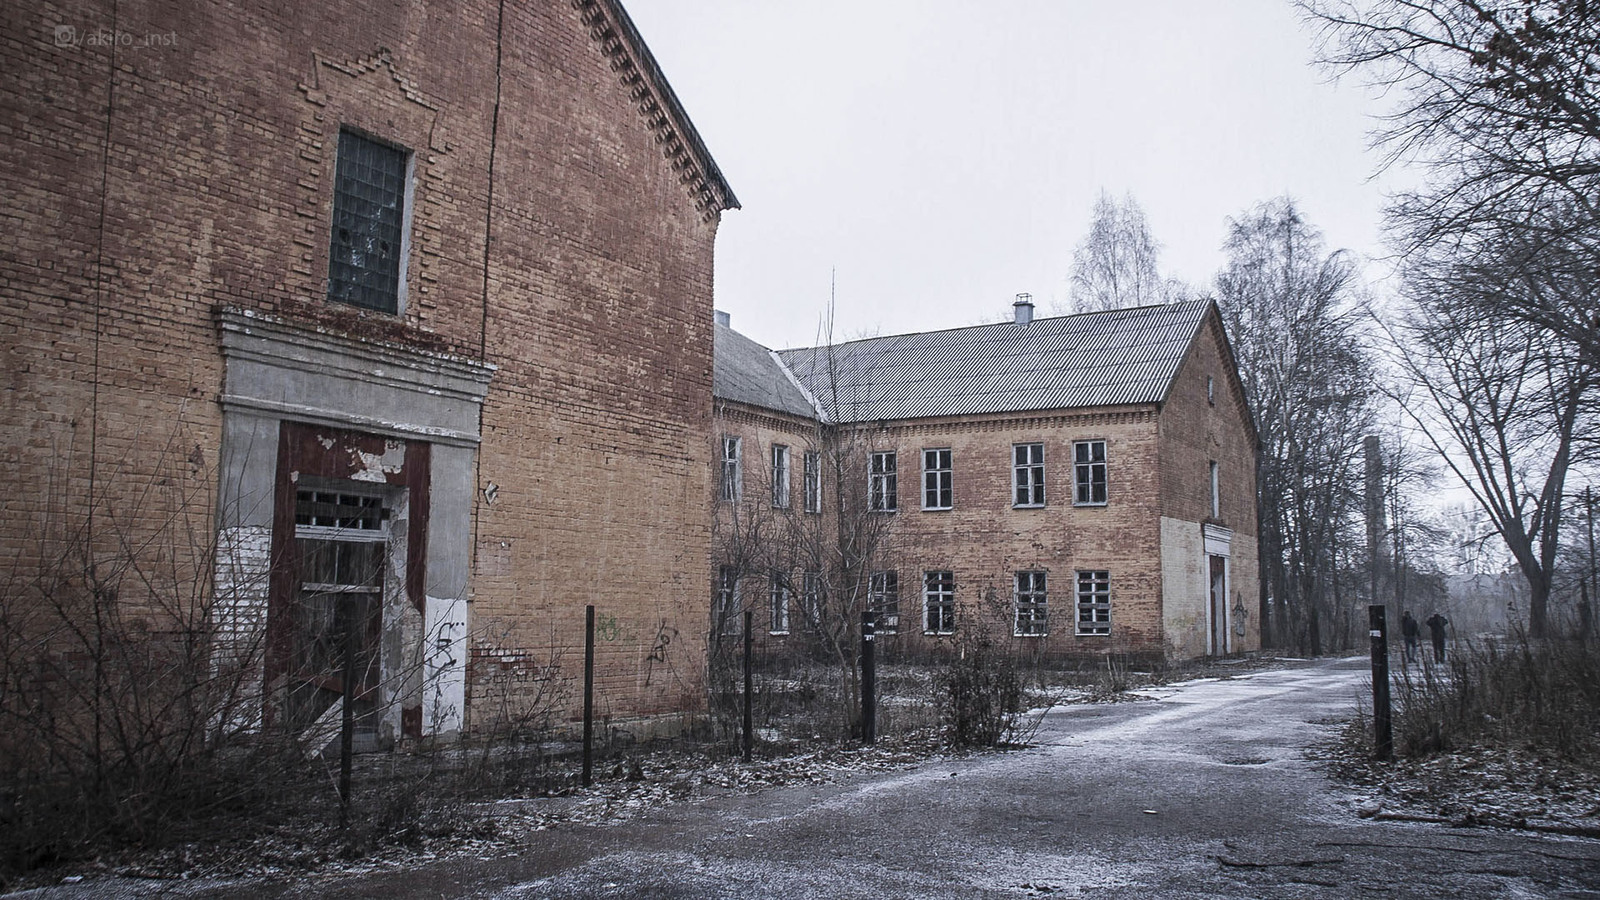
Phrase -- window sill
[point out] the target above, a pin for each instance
(1030, 634)
(1100, 503)
(937, 508)
(1093, 634)
(1029, 506)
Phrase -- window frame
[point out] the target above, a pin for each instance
(728, 601)
(780, 476)
(1085, 470)
(938, 481)
(939, 593)
(341, 288)
(812, 476)
(778, 594)
(883, 600)
(1216, 490)
(883, 481)
(1092, 603)
(1033, 481)
(730, 487)
(1030, 594)
(813, 594)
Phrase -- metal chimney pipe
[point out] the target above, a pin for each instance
(1023, 308)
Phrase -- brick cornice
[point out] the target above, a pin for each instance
(636, 68)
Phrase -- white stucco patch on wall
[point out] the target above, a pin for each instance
(445, 666)
(1183, 587)
(239, 614)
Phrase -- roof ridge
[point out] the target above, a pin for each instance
(1076, 315)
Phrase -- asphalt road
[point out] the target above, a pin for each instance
(1205, 791)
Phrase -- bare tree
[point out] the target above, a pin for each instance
(1114, 266)
(1501, 400)
(1501, 103)
(1289, 306)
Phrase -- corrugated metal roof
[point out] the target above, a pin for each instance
(746, 372)
(1123, 356)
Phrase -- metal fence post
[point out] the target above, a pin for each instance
(588, 695)
(1383, 729)
(749, 686)
(869, 681)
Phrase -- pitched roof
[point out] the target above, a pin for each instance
(1122, 356)
(746, 372)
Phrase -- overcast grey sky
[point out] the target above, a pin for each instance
(943, 155)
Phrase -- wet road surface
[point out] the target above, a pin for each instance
(1205, 791)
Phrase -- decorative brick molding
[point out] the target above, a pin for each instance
(636, 68)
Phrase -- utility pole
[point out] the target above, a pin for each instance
(1592, 595)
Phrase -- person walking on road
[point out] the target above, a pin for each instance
(1436, 624)
(1410, 631)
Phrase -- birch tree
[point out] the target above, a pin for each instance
(1114, 266)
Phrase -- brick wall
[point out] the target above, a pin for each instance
(187, 163)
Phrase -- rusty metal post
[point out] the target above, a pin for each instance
(588, 695)
(869, 681)
(1383, 729)
(347, 720)
(749, 687)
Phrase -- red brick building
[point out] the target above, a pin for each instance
(1087, 482)
(336, 316)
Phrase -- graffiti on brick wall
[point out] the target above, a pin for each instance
(660, 651)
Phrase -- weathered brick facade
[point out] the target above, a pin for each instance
(1154, 534)
(169, 172)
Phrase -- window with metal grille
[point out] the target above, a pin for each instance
(813, 478)
(369, 194)
(780, 476)
(342, 554)
(883, 483)
(1089, 465)
(1027, 474)
(1094, 602)
(937, 479)
(778, 603)
(332, 509)
(883, 601)
(730, 488)
(1032, 605)
(938, 602)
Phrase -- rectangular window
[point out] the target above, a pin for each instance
(1094, 602)
(731, 488)
(725, 609)
(1027, 474)
(883, 487)
(780, 476)
(1089, 472)
(813, 477)
(938, 602)
(778, 601)
(812, 595)
(883, 600)
(937, 481)
(1216, 492)
(1031, 605)
(365, 250)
